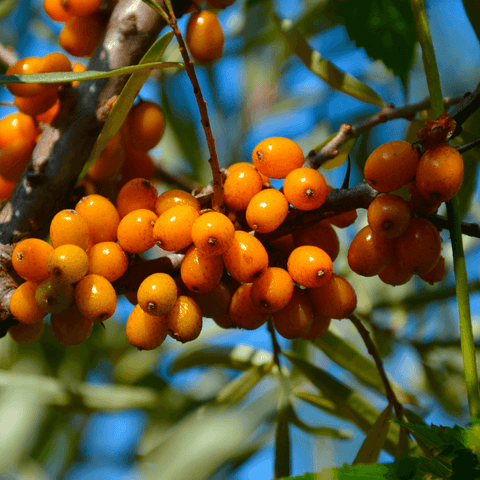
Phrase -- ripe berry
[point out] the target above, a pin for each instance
(305, 188)
(201, 272)
(146, 332)
(81, 8)
(18, 126)
(391, 166)
(185, 320)
(56, 62)
(419, 204)
(78, 67)
(213, 233)
(243, 312)
(267, 210)
(224, 321)
(135, 194)
(214, 303)
(53, 296)
(26, 66)
(235, 166)
(95, 298)
(276, 157)
(342, 220)
(37, 104)
(26, 333)
(49, 116)
(29, 259)
(335, 299)
(204, 37)
(81, 35)
(23, 305)
(309, 266)
(137, 165)
(272, 290)
(439, 173)
(321, 235)
(108, 166)
(56, 11)
(14, 158)
(438, 273)
(70, 327)
(246, 259)
(68, 263)
(70, 227)
(175, 198)
(6, 188)
(136, 231)
(240, 187)
(395, 274)
(295, 319)
(368, 253)
(388, 216)
(319, 327)
(108, 260)
(157, 294)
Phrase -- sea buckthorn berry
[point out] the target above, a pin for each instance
(26, 66)
(305, 188)
(240, 187)
(173, 229)
(135, 231)
(246, 259)
(267, 210)
(137, 165)
(273, 289)
(369, 253)
(336, 298)
(235, 166)
(391, 166)
(108, 260)
(185, 320)
(144, 126)
(438, 273)
(310, 266)
(214, 303)
(243, 312)
(18, 126)
(29, 259)
(144, 331)
(213, 233)
(102, 217)
(56, 62)
(81, 8)
(80, 35)
(70, 227)
(439, 173)
(135, 194)
(204, 37)
(56, 11)
(6, 188)
(388, 215)
(175, 198)
(420, 204)
(53, 296)
(68, 263)
(95, 298)
(276, 157)
(26, 333)
(77, 68)
(201, 272)
(419, 247)
(14, 158)
(224, 321)
(157, 294)
(108, 165)
(48, 116)
(37, 104)
(319, 327)
(321, 235)
(395, 274)
(70, 327)
(23, 305)
(295, 319)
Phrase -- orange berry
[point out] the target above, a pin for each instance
(243, 312)
(224, 321)
(144, 126)
(146, 332)
(37, 104)
(56, 62)
(6, 188)
(175, 198)
(213, 233)
(321, 235)
(157, 294)
(305, 188)
(95, 298)
(81, 8)
(240, 187)
(201, 272)
(388, 215)
(267, 210)
(53, 296)
(235, 166)
(276, 157)
(137, 165)
(26, 333)
(135, 194)
(395, 274)
(48, 116)
(319, 326)
(29, 259)
(204, 37)
(437, 274)
(391, 166)
(70, 227)
(23, 305)
(56, 11)
(14, 158)
(310, 266)
(108, 260)
(102, 217)
(70, 327)
(108, 165)
(295, 319)
(78, 67)
(68, 263)
(246, 259)
(369, 253)
(214, 303)
(420, 204)
(185, 319)
(81, 35)
(439, 173)
(336, 298)
(17, 126)
(26, 66)
(418, 248)
(173, 229)
(272, 290)
(135, 231)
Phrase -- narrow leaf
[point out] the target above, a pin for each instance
(472, 7)
(7, 6)
(282, 444)
(343, 152)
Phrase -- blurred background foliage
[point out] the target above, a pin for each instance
(212, 409)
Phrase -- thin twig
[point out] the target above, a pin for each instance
(275, 346)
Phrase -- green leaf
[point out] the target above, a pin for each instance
(7, 6)
(375, 439)
(385, 29)
(326, 70)
(472, 7)
(282, 444)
